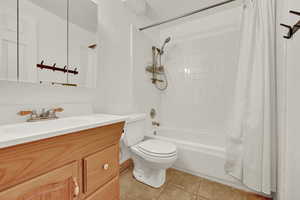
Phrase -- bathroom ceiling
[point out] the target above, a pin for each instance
(164, 9)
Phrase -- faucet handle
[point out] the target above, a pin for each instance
(33, 115)
(25, 112)
(52, 112)
(58, 110)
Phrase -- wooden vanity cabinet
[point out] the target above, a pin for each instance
(55, 185)
(77, 166)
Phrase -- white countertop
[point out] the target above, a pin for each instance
(20, 133)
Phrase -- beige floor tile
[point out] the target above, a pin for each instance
(128, 198)
(126, 182)
(222, 192)
(238, 195)
(255, 197)
(172, 192)
(139, 191)
(206, 189)
(171, 173)
(181, 186)
(201, 198)
(187, 182)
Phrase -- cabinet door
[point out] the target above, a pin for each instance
(110, 191)
(60, 184)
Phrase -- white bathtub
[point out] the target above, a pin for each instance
(201, 154)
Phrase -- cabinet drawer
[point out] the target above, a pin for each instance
(110, 191)
(101, 167)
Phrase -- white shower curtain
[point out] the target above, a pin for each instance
(249, 154)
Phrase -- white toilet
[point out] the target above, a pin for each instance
(151, 157)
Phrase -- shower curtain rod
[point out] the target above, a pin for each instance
(187, 14)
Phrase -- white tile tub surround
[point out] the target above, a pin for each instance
(201, 67)
(201, 64)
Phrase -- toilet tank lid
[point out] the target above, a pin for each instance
(135, 117)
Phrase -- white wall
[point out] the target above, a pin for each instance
(289, 108)
(124, 54)
(18, 96)
(116, 58)
(117, 73)
(293, 109)
(201, 63)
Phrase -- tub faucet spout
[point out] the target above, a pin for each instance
(155, 124)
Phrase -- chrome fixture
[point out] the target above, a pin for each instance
(164, 45)
(187, 14)
(155, 123)
(152, 113)
(157, 69)
(44, 115)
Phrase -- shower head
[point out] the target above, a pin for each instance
(164, 45)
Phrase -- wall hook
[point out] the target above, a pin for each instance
(289, 34)
(292, 29)
(295, 12)
(54, 68)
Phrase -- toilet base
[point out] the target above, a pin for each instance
(152, 177)
(150, 170)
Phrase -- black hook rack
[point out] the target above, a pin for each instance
(54, 68)
(292, 29)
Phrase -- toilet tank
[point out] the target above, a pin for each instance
(134, 130)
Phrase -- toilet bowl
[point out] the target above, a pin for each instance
(150, 157)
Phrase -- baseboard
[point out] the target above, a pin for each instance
(128, 164)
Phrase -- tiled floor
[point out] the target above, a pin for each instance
(180, 186)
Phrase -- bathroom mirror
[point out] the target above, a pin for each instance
(43, 39)
(49, 41)
(8, 41)
(82, 42)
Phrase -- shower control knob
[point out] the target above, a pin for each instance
(106, 166)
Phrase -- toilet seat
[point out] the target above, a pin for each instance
(157, 148)
(156, 151)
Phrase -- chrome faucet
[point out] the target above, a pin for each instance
(44, 115)
(155, 123)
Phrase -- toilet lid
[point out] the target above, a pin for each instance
(157, 147)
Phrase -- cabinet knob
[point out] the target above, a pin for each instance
(106, 166)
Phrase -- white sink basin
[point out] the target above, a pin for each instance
(31, 131)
